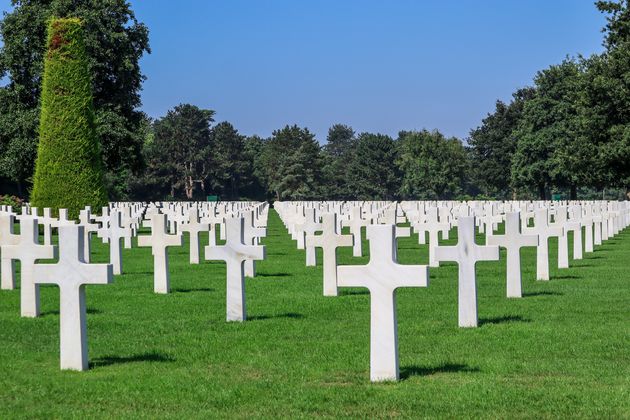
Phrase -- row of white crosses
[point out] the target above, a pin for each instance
(383, 275)
(244, 225)
(72, 272)
(247, 229)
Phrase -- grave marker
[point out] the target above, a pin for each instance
(235, 253)
(466, 253)
(7, 237)
(28, 250)
(382, 276)
(513, 241)
(72, 274)
(194, 227)
(159, 241)
(544, 232)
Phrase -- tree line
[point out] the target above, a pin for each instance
(187, 157)
(568, 133)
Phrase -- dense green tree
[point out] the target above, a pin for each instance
(618, 22)
(552, 150)
(290, 164)
(337, 152)
(433, 167)
(607, 97)
(340, 141)
(179, 153)
(230, 166)
(68, 171)
(114, 41)
(256, 187)
(493, 144)
(372, 171)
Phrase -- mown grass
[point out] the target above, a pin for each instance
(560, 351)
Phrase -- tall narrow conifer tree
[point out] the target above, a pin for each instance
(68, 170)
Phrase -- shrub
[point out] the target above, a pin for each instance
(68, 170)
(13, 201)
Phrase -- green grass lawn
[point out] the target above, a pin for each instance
(563, 350)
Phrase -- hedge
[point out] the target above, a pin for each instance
(68, 170)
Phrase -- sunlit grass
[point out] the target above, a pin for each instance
(561, 350)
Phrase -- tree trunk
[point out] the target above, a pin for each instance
(573, 192)
(189, 187)
(541, 191)
(233, 188)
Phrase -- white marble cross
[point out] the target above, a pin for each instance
(399, 232)
(434, 227)
(251, 236)
(382, 276)
(587, 223)
(103, 219)
(598, 220)
(47, 221)
(329, 241)
(194, 228)
(297, 220)
(127, 221)
(560, 221)
(235, 252)
(490, 220)
(513, 241)
(85, 220)
(28, 250)
(574, 224)
(544, 232)
(605, 221)
(116, 232)
(309, 228)
(72, 274)
(63, 219)
(356, 224)
(7, 237)
(159, 241)
(466, 253)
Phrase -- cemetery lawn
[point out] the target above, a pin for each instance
(563, 350)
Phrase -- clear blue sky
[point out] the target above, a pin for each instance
(379, 66)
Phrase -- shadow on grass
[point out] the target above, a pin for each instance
(566, 277)
(88, 310)
(503, 320)
(290, 315)
(408, 371)
(201, 289)
(116, 360)
(353, 292)
(273, 274)
(533, 294)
